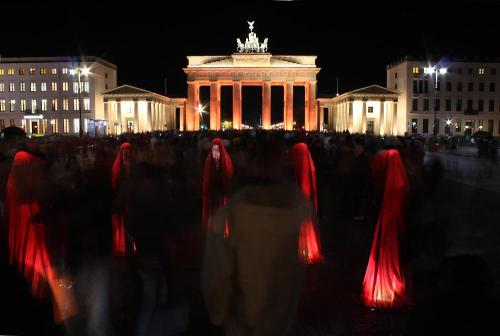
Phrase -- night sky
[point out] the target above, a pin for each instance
(353, 41)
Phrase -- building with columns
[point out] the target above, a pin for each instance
(252, 65)
(130, 109)
(372, 109)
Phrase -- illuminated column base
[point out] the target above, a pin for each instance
(237, 105)
(266, 105)
(288, 113)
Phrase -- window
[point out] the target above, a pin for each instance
(43, 71)
(86, 105)
(436, 125)
(2, 105)
(44, 105)
(426, 104)
(33, 106)
(32, 87)
(12, 105)
(12, 87)
(20, 72)
(2, 87)
(76, 125)
(395, 86)
(459, 104)
(447, 105)
(459, 71)
(425, 126)
(10, 71)
(470, 86)
(492, 87)
(75, 87)
(85, 87)
(437, 104)
(106, 75)
(460, 87)
(2, 124)
(66, 125)
(493, 71)
(490, 126)
(458, 125)
(481, 71)
(65, 86)
(414, 106)
(480, 125)
(32, 71)
(415, 86)
(22, 87)
(55, 125)
(1, 72)
(76, 104)
(416, 70)
(54, 105)
(480, 105)
(448, 86)
(53, 86)
(64, 71)
(469, 104)
(22, 105)
(420, 86)
(491, 106)
(12, 122)
(481, 87)
(43, 87)
(53, 71)
(414, 126)
(65, 104)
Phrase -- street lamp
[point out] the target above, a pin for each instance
(437, 71)
(80, 71)
(201, 110)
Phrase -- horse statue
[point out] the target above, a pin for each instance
(240, 46)
(263, 46)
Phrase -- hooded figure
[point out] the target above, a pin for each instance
(386, 283)
(119, 174)
(27, 243)
(217, 175)
(305, 177)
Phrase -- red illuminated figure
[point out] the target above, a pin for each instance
(386, 283)
(217, 175)
(305, 177)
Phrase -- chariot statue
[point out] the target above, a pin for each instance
(252, 44)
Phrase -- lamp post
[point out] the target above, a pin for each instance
(437, 71)
(201, 110)
(85, 72)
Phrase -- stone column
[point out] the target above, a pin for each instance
(237, 105)
(149, 116)
(266, 105)
(192, 118)
(321, 117)
(381, 130)
(136, 115)
(182, 117)
(106, 111)
(363, 118)
(215, 106)
(312, 108)
(288, 113)
(350, 117)
(395, 118)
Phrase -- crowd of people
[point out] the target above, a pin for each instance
(88, 224)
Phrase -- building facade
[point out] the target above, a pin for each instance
(458, 97)
(131, 109)
(43, 95)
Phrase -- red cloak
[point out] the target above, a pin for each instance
(217, 175)
(120, 170)
(386, 283)
(305, 177)
(27, 243)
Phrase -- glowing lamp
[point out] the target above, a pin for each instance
(443, 71)
(429, 70)
(72, 72)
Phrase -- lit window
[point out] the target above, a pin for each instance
(44, 105)
(76, 125)
(75, 87)
(32, 71)
(12, 87)
(1, 72)
(76, 104)
(85, 87)
(53, 71)
(22, 87)
(2, 105)
(43, 87)
(12, 105)
(54, 105)
(416, 70)
(65, 104)
(54, 125)
(33, 106)
(86, 104)
(64, 71)
(12, 122)
(21, 72)
(66, 125)
(22, 105)
(481, 71)
(2, 124)
(33, 87)
(2, 87)
(65, 86)
(43, 71)
(53, 86)
(10, 71)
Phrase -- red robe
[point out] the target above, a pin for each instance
(27, 243)
(120, 170)
(386, 283)
(305, 177)
(217, 175)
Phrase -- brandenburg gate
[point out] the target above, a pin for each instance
(251, 65)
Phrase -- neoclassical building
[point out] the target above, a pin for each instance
(130, 109)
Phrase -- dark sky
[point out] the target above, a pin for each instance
(148, 41)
